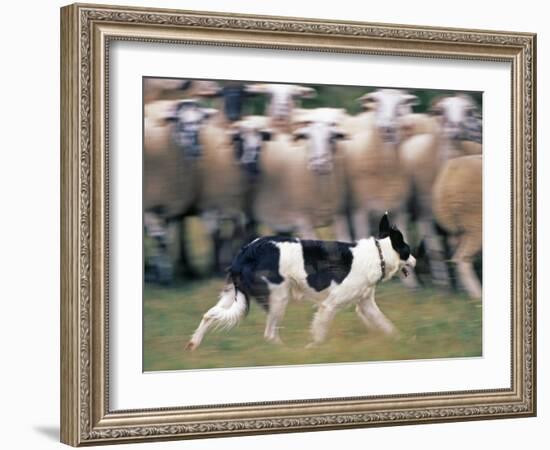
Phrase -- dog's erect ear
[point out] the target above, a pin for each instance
(384, 227)
(396, 237)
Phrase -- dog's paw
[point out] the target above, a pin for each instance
(190, 346)
(395, 335)
(274, 341)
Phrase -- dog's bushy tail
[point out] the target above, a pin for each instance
(234, 302)
(232, 306)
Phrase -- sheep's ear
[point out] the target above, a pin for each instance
(468, 98)
(367, 101)
(208, 112)
(435, 108)
(306, 92)
(256, 88)
(410, 99)
(185, 84)
(210, 91)
(384, 227)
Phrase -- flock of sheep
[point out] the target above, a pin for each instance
(295, 170)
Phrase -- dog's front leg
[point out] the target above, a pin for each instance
(370, 314)
(321, 321)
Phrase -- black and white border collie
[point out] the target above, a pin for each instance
(274, 270)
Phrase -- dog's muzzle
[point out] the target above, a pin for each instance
(409, 264)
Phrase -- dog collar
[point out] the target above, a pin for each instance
(382, 262)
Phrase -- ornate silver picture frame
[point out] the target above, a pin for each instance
(87, 34)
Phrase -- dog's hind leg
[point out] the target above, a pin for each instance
(370, 314)
(206, 324)
(278, 300)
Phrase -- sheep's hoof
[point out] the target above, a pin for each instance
(190, 346)
(312, 345)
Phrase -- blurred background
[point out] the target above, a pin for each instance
(228, 161)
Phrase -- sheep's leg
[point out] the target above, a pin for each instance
(361, 226)
(411, 281)
(217, 244)
(278, 300)
(435, 252)
(211, 221)
(250, 229)
(370, 314)
(341, 228)
(468, 247)
(178, 248)
(156, 228)
(469, 278)
(250, 225)
(305, 228)
(230, 242)
(222, 232)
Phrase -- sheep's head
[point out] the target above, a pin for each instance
(455, 114)
(388, 107)
(319, 128)
(187, 118)
(282, 97)
(247, 137)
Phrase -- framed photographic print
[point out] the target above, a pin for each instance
(280, 224)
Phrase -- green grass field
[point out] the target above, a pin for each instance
(433, 324)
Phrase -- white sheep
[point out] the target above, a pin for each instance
(224, 200)
(451, 129)
(376, 178)
(171, 173)
(300, 179)
(457, 206)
